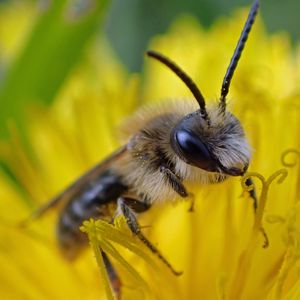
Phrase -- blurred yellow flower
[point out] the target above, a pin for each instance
(218, 247)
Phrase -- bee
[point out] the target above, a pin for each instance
(168, 147)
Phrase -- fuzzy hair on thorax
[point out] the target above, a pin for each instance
(147, 134)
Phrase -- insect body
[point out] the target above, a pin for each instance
(168, 146)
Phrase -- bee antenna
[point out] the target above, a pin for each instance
(237, 54)
(185, 78)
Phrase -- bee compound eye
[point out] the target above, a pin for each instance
(191, 149)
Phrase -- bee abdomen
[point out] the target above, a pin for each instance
(97, 200)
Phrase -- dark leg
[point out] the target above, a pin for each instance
(178, 186)
(136, 205)
(174, 181)
(135, 228)
(249, 182)
(192, 197)
(113, 276)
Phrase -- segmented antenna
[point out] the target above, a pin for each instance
(237, 54)
(185, 78)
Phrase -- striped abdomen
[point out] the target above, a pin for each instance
(96, 200)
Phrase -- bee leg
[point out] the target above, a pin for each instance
(136, 205)
(192, 199)
(252, 193)
(249, 182)
(135, 228)
(174, 181)
(113, 276)
(178, 186)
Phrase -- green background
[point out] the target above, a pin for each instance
(131, 23)
(55, 46)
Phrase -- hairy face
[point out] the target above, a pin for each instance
(219, 146)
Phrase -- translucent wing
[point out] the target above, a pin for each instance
(77, 185)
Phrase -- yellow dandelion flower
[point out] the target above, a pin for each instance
(219, 247)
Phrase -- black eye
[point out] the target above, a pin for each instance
(191, 149)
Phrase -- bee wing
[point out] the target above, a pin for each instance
(77, 185)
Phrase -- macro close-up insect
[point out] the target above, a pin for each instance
(168, 146)
(148, 150)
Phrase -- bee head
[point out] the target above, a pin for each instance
(218, 147)
(212, 140)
